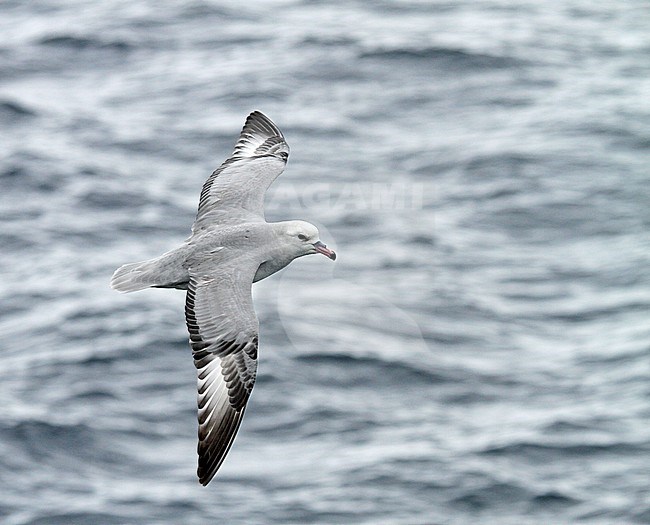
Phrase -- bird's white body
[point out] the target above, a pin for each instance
(270, 246)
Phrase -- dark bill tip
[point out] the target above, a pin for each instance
(321, 248)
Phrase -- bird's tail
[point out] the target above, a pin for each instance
(135, 276)
(166, 271)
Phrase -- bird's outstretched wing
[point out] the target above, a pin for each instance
(235, 192)
(223, 331)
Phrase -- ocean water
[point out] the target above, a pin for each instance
(479, 352)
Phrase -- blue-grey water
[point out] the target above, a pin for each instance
(480, 351)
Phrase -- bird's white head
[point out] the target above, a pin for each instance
(304, 238)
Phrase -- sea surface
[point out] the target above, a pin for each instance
(479, 353)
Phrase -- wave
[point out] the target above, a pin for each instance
(328, 41)
(375, 369)
(563, 426)
(491, 494)
(498, 161)
(554, 498)
(448, 56)
(39, 439)
(201, 9)
(544, 451)
(78, 518)
(112, 200)
(593, 314)
(12, 110)
(82, 42)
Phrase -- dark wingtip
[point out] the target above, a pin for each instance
(205, 477)
(258, 119)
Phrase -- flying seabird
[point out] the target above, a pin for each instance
(231, 247)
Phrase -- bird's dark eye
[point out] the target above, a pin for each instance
(302, 237)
